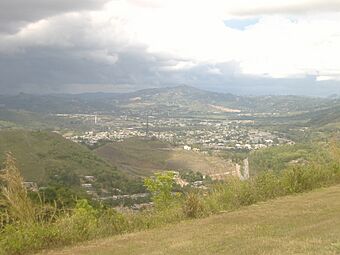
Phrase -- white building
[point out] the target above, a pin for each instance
(187, 148)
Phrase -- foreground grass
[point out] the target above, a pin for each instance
(299, 224)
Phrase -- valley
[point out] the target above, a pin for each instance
(169, 127)
(110, 155)
(133, 135)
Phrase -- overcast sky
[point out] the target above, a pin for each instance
(238, 46)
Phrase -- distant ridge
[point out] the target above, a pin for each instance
(183, 97)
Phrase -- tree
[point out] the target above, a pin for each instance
(160, 185)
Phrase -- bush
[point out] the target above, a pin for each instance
(84, 222)
(193, 206)
(23, 239)
(111, 222)
(231, 195)
(81, 224)
(268, 185)
(246, 193)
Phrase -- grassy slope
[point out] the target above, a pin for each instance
(279, 157)
(18, 118)
(301, 224)
(38, 152)
(144, 157)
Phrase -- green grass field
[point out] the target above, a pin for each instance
(301, 224)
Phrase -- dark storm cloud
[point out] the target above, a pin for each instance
(75, 53)
(17, 13)
(46, 70)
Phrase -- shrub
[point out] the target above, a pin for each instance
(193, 206)
(268, 185)
(81, 224)
(246, 193)
(234, 193)
(297, 179)
(23, 239)
(111, 222)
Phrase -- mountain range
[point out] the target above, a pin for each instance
(170, 98)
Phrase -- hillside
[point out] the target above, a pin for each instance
(41, 155)
(180, 97)
(58, 103)
(144, 157)
(278, 158)
(24, 119)
(176, 99)
(326, 118)
(301, 224)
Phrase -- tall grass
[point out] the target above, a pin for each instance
(25, 233)
(14, 194)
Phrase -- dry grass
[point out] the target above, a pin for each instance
(14, 193)
(300, 224)
(144, 157)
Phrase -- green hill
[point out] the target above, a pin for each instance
(43, 155)
(326, 118)
(19, 118)
(176, 100)
(141, 157)
(300, 224)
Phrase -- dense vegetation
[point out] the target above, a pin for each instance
(28, 226)
(52, 161)
(299, 224)
(278, 158)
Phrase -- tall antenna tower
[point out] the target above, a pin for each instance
(147, 125)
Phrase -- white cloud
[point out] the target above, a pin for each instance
(278, 46)
(293, 38)
(261, 7)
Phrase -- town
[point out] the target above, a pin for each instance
(189, 132)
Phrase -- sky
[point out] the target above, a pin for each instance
(251, 47)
